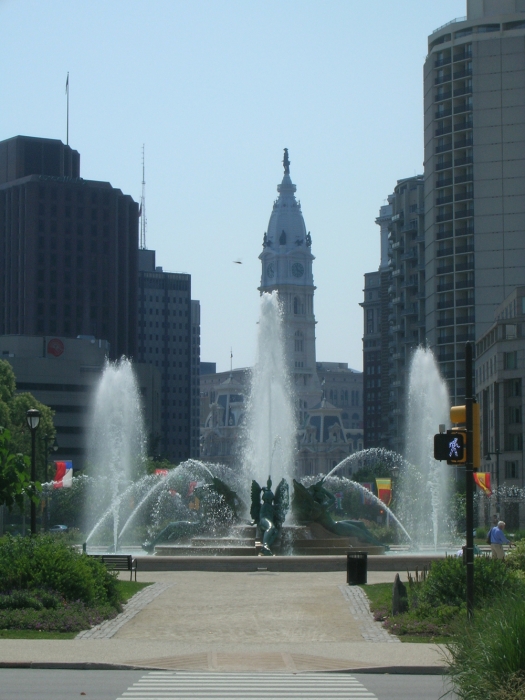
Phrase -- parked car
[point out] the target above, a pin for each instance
(58, 528)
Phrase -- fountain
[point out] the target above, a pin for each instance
(424, 493)
(202, 508)
(271, 428)
(116, 444)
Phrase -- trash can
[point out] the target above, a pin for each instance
(356, 565)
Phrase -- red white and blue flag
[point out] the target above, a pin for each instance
(63, 475)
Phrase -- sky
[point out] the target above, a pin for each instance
(215, 90)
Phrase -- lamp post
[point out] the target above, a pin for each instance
(48, 450)
(33, 419)
(488, 458)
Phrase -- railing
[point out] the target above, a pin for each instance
(444, 200)
(464, 320)
(444, 234)
(442, 62)
(465, 124)
(464, 284)
(462, 91)
(464, 195)
(440, 96)
(463, 74)
(463, 143)
(445, 339)
(443, 217)
(445, 287)
(446, 269)
(469, 301)
(445, 322)
(447, 24)
(469, 248)
(463, 178)
(443, 252)
(444, 182)
(463, 55)
(461, 267)
(444, 148)
(462, 108)
(467, 160)
(442, 113)
(444, 166)
(464, 230)
(443, 79)
(445, 304)
(463, 213)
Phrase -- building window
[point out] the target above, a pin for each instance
(298, 341)
(511, 470)
(511, 359)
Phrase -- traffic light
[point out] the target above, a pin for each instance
(450, 446)
(458, 414)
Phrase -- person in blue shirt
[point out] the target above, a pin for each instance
(497, 540)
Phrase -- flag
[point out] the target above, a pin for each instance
(161, 472)
(63, 475)
(365, 498)
(67, 83)
(384, 490)
(482, 479)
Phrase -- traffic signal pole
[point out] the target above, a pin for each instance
(469, 476)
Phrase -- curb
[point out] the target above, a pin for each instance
(88, 666)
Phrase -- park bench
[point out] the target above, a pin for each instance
(118, 562)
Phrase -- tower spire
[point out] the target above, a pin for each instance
(286, 162)
(142, 210)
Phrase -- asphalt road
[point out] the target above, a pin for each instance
(36, 684)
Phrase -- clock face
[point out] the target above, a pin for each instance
(270, 270)
(297, 270)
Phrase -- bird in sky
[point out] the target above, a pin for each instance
(238, 262)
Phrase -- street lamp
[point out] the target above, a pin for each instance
(487, 457)
(33, 419)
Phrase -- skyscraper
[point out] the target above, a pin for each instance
(169, 338)
(474, 80)
(68, 248)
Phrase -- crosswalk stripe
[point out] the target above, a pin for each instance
(185, 685)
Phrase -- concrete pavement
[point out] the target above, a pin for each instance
(241, 621)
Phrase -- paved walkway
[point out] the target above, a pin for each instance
(242, 621)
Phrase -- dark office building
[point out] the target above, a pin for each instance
(169, 338)
(68, 248)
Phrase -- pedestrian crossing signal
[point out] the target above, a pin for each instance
(450, 446)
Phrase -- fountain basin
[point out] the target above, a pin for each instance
(385, 562)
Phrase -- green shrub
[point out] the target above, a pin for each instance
(45, 562)
(515, 558)
(446, 582)
(481, 533)
(69, 617)
(487, 658)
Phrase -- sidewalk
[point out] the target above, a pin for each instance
(256, 621)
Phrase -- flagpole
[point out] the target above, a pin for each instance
(67, 111)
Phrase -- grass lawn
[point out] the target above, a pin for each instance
(35, 634)
(380, 597)
(127, 588)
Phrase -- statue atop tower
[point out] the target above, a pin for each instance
(286, 162)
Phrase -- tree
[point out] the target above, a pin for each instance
(14, 474)
(13, 410)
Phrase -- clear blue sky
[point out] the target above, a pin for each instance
(215, 89)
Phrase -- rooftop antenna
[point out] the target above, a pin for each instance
(67, 110)
(142, 210)
(231, 361)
